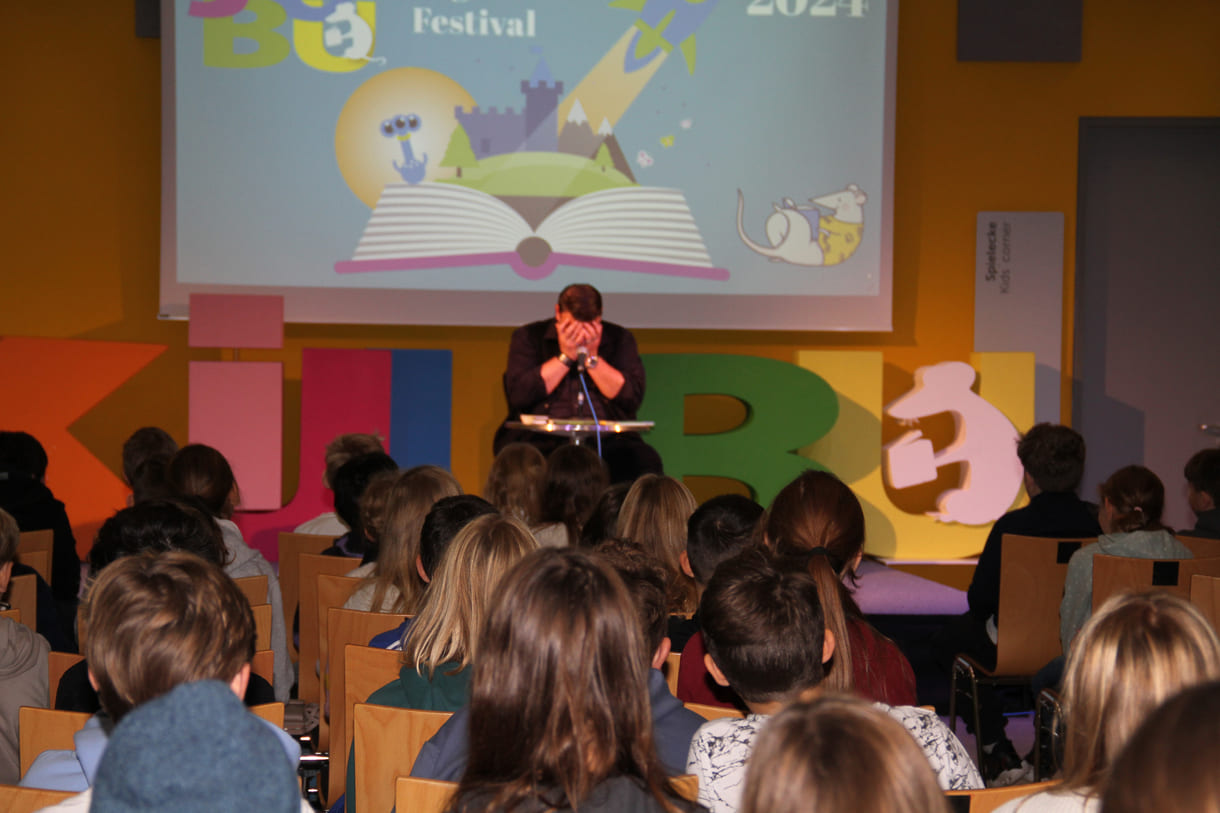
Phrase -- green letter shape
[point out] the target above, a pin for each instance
(787, 408)
(221, 33)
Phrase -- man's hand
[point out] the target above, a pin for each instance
(572, 335)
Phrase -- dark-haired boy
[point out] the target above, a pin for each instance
(1053, 458)
(1203, 492)
(767, 639)
(718, 530)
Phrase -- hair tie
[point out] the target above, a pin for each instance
(820, 549)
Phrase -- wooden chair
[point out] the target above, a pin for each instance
(40, 560)
(1205, 595)
(422, 795)
(713, 712)
(271, 712)
(44, 730)
(291, 546)
(263, 664)
(332, 592)
(262, 625)
(1201, 546)
(40, 544)
(387, 740)
(13, 615)
(23, 596)
(344, 627)
(311, 566)
(671, 671)
(432, 795)
(57, 664)
(1117, 574)
(1032, 573)
(14, 799)
(988, 799)
(365, 670)
(254, 588)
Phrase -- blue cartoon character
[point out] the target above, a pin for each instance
(401, 127)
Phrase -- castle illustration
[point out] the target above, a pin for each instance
(536, 128)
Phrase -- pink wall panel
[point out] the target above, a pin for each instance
(236, 320)
(237, 407)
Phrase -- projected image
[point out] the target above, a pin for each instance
(695, 148)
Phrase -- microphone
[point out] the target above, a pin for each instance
(582, 357)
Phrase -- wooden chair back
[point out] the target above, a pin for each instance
(271, 712)
(263, 664)
(291, 546)
(671, 671)
(254, 588)
(23, 596)
(1201, 546)
(344, 627)
(365, 670)
(987, 799)
(1117, 574)
(57, 664)
(12, 615)
(332, 592)
(41, 730)
(422, 795)
(14, 799)
(1205, 595)
(40, 560)
(1032, 573)
(713, 712)
(387, 740)
(262, 625)
(34, 549)
(310, 567)
(432, 795)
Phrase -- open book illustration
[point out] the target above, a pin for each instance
(436, 225)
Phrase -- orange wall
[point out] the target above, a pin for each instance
(81, 199)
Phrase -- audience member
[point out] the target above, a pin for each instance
(1203, 492)
(1053, 459)
(514, 484)
(24, 494)
(350, 483)
(166, 755)
(340, 450)
(838, 754)
(150, 527)
(654, 517)
(443, 641)
(575, 479)
(767, 638)
(146, 455)
(449, 516)
(1131, 503)
(156, 622)
(718, 530)
(817, 516)
(23, 662)
(1137, 651)
(392, 583)
(58, 632)
(445, 755)
(1169, 764)
(603, 521)
(202, 472)
(562, 665)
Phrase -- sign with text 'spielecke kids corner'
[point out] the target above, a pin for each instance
(733, 156)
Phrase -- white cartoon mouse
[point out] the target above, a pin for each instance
(800, 234)
(356, 39)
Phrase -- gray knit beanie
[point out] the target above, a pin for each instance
(196, 748)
